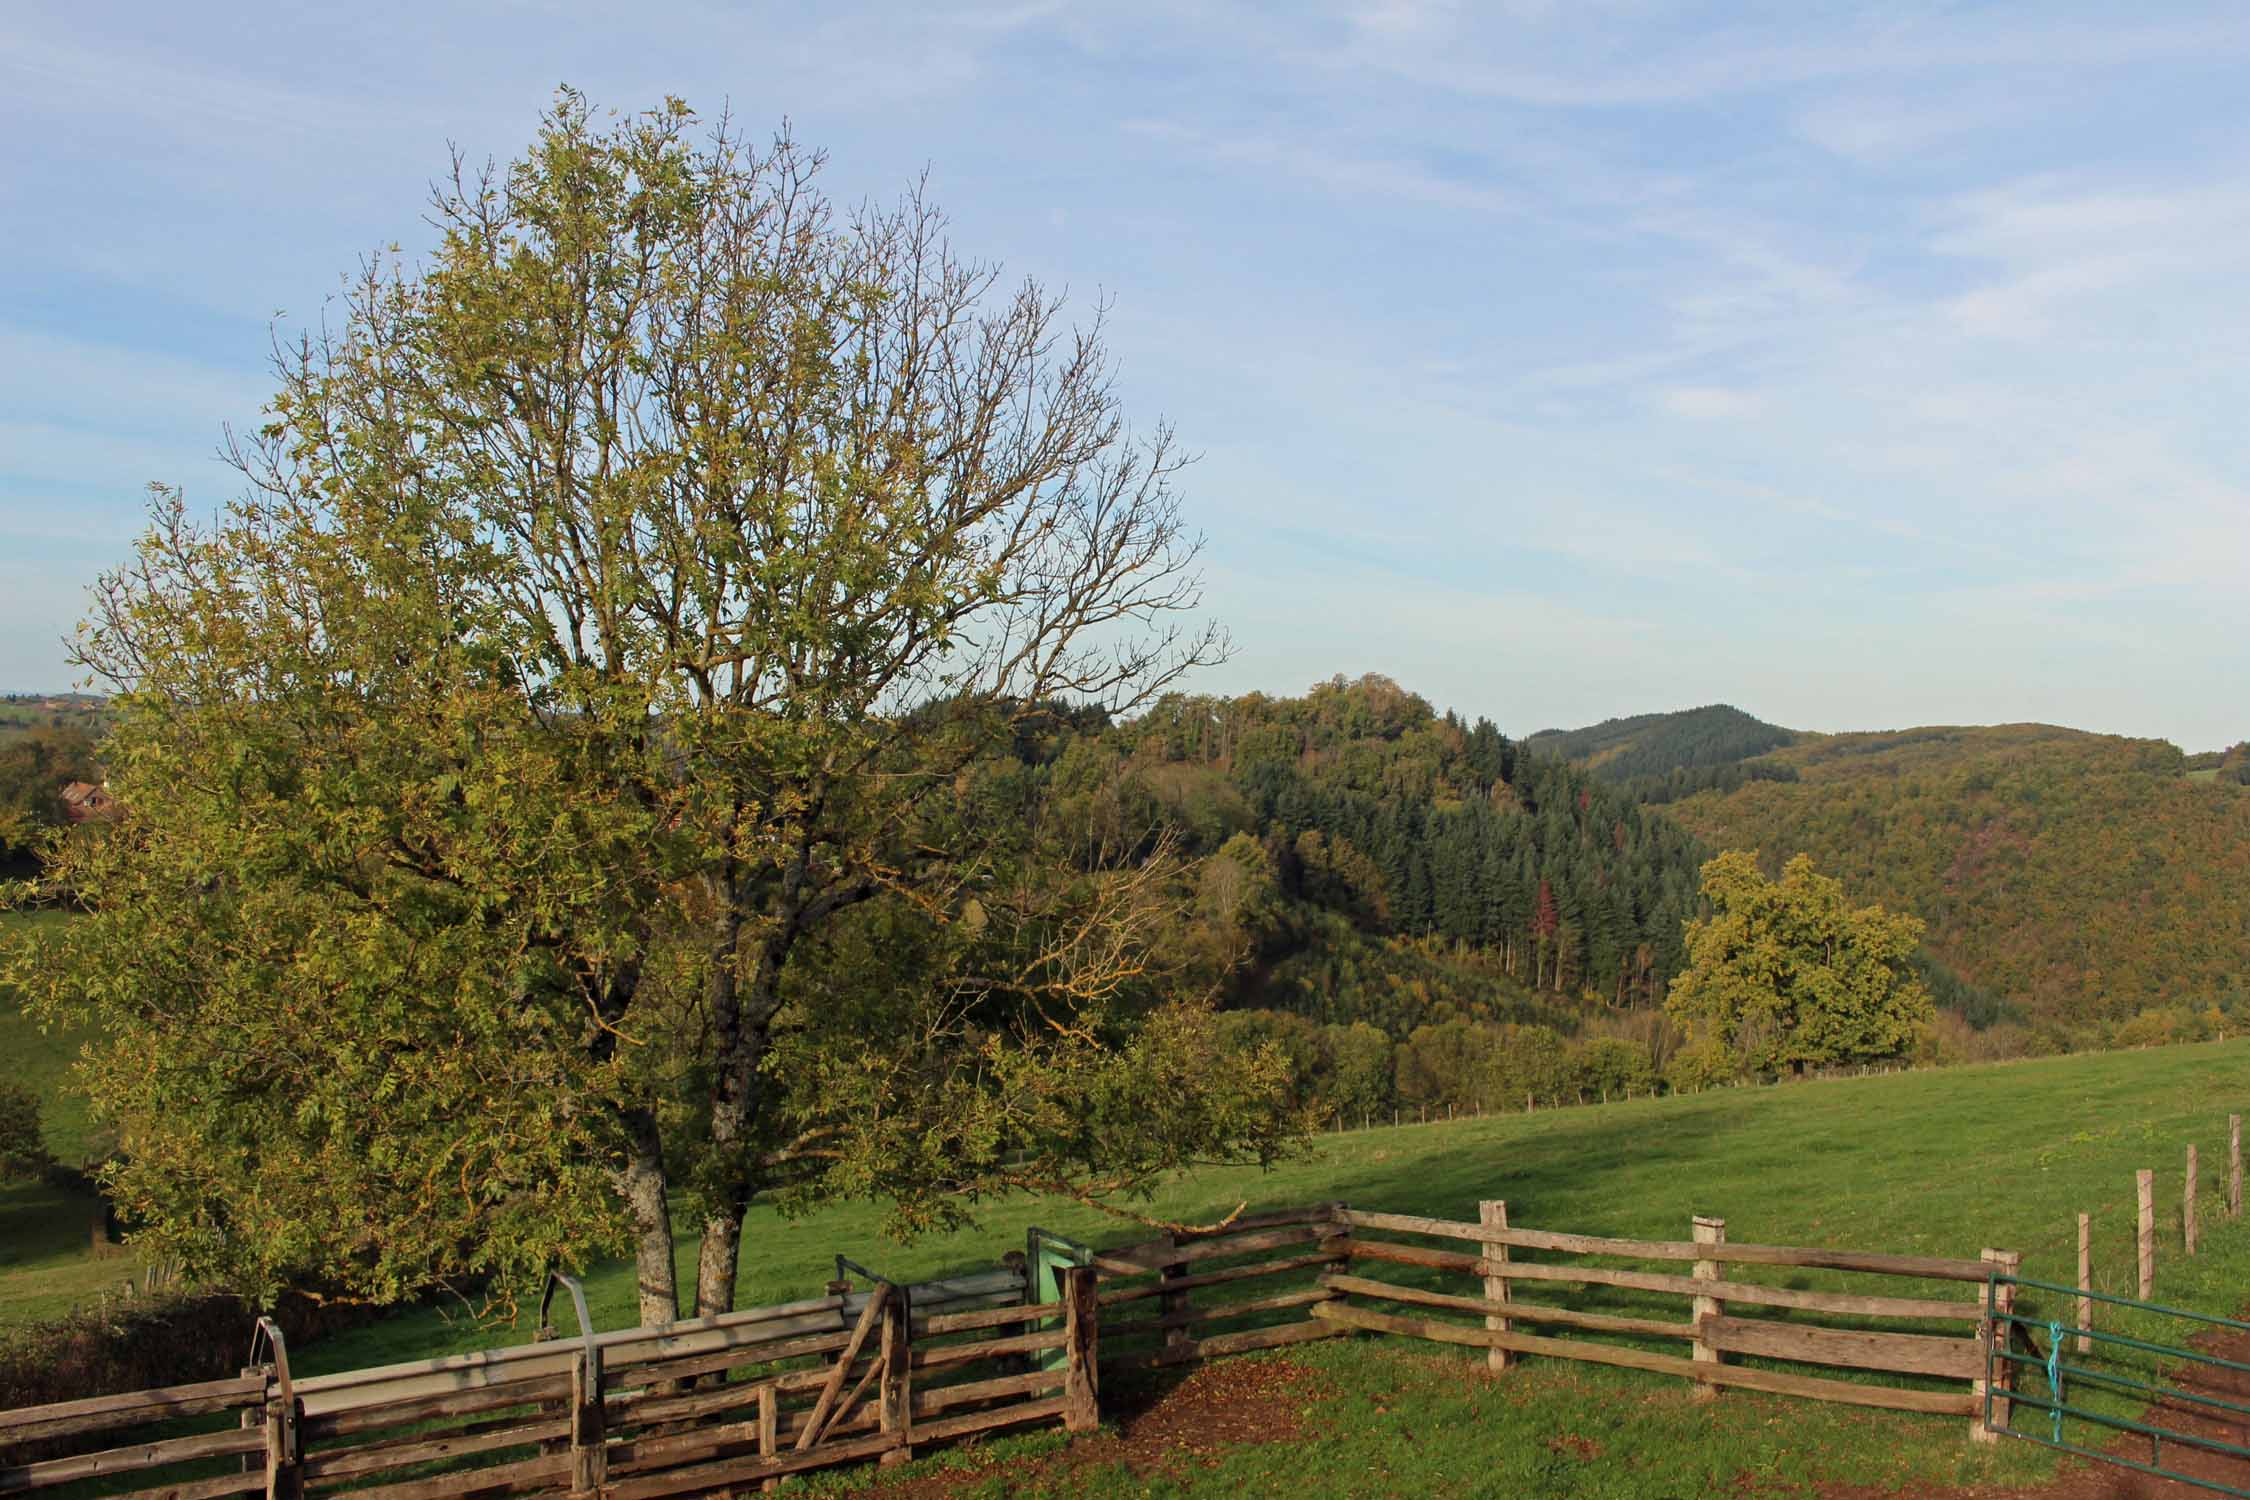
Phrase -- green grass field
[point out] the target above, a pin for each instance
(46, 1266)
(1942, 1163)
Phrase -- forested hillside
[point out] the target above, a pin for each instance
(1400, 867)
(2087, 879)
(1653, 744)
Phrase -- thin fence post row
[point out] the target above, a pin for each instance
(2187, 1206)
(2085, 1282)
(2144, 1182)
(1493, 1214)
(1711, 1232)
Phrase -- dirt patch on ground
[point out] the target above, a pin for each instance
(1169, 1429)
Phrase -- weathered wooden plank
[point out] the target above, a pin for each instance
(1941, 1268)
(684, 1366)
(833, 1387)
(1220, 1278)
(373, 1458)
(130, 1408)
(930, 1400)
(1516, 1311)
(452, 1372)
(1849, 1393)
(1222, 1312)
(1242, 1343)
(959, 1288)
(717, 1476)
(1851, 1348)
(944, 1428)
(652, 1404)
(430, 1408)
(250, 1482)
(960, 1354)
(452, 1486)
(995, 1317)
(1413, 1255)
(123, 1460)
(1850, 1303)
(1151, 1256)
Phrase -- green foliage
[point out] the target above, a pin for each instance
(1611, 1067)
(23, 1149)
(1647, 748)
(2076, 878)
(1426, 867)
(35, 765)
(607, 761)
(1785, 974)
(1699, 1066)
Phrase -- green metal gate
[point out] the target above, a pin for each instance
(1046, 1254)
(2053, 1390)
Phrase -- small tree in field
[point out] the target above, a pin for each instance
(1785, 975)
(576, 781)
(23, 1147)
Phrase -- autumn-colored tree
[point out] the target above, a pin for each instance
(583, 777)
(1785, 974)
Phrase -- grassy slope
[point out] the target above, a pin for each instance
(45, 1267)
(2083, 876)
(1941, 1163)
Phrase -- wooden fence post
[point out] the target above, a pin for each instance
(2145, 1181)
(769, 1430)
(589, 1443)
(2187, 1206)
(1993, 1334)
(2004, 1381)
(284, 1455)
(1081, 1347)
(1174, 1306)
(1712, 1232)
(2234, 1166)
(2085, 1281)
(1493, 1214)
(895, 1397)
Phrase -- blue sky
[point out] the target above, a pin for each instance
(1862, 365)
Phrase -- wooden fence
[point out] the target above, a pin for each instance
(1252, 1269)
(1322, 1263)
(632, 1414)
(1726, 1318)
(873, 1369)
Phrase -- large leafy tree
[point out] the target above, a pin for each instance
(1787, 974)
(585, 773)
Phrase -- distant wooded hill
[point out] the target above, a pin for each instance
(1379, 861)
(2082, 878)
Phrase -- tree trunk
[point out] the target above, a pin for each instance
(642, 1182)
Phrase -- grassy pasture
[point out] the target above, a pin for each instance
(1938, 1163)
(1941, 1163)
(46, 1268)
